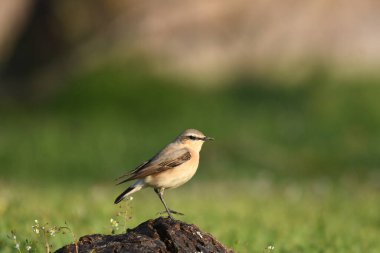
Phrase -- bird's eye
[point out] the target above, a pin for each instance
(191, 137)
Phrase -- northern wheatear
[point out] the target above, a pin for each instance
(173, 166)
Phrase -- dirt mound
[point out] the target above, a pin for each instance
(159, 235)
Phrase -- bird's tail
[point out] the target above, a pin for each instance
(131, 189)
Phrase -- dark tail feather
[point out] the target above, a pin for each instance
(125, 180)
(123, 194)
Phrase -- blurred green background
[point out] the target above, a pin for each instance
(84, 99)
(113, 117)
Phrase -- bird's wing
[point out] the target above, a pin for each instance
(129, 173)
(166, 159)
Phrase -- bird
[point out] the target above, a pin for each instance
(170, 168)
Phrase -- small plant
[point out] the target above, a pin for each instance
(15, 241)
(125, 212)
(17, 244)
(72, 235)
(124, 215)
(45, 232)
(114, 226)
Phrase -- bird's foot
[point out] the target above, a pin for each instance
(175, 212)
(170, 212)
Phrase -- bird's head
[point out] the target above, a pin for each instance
(193, 139)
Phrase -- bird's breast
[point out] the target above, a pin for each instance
(174, 177)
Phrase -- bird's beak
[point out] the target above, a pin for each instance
(208, 138)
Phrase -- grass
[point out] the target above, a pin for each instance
(248, 216)
(294, 166)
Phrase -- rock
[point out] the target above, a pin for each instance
(160, 235)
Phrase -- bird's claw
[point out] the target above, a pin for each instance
(170, 212)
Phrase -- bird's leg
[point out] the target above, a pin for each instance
(160, 193)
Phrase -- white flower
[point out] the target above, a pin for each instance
(270, 247)
(114, 224)
(36, 229)
(17, 246)
(28, 247)
(36, 221)
(52, 232)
